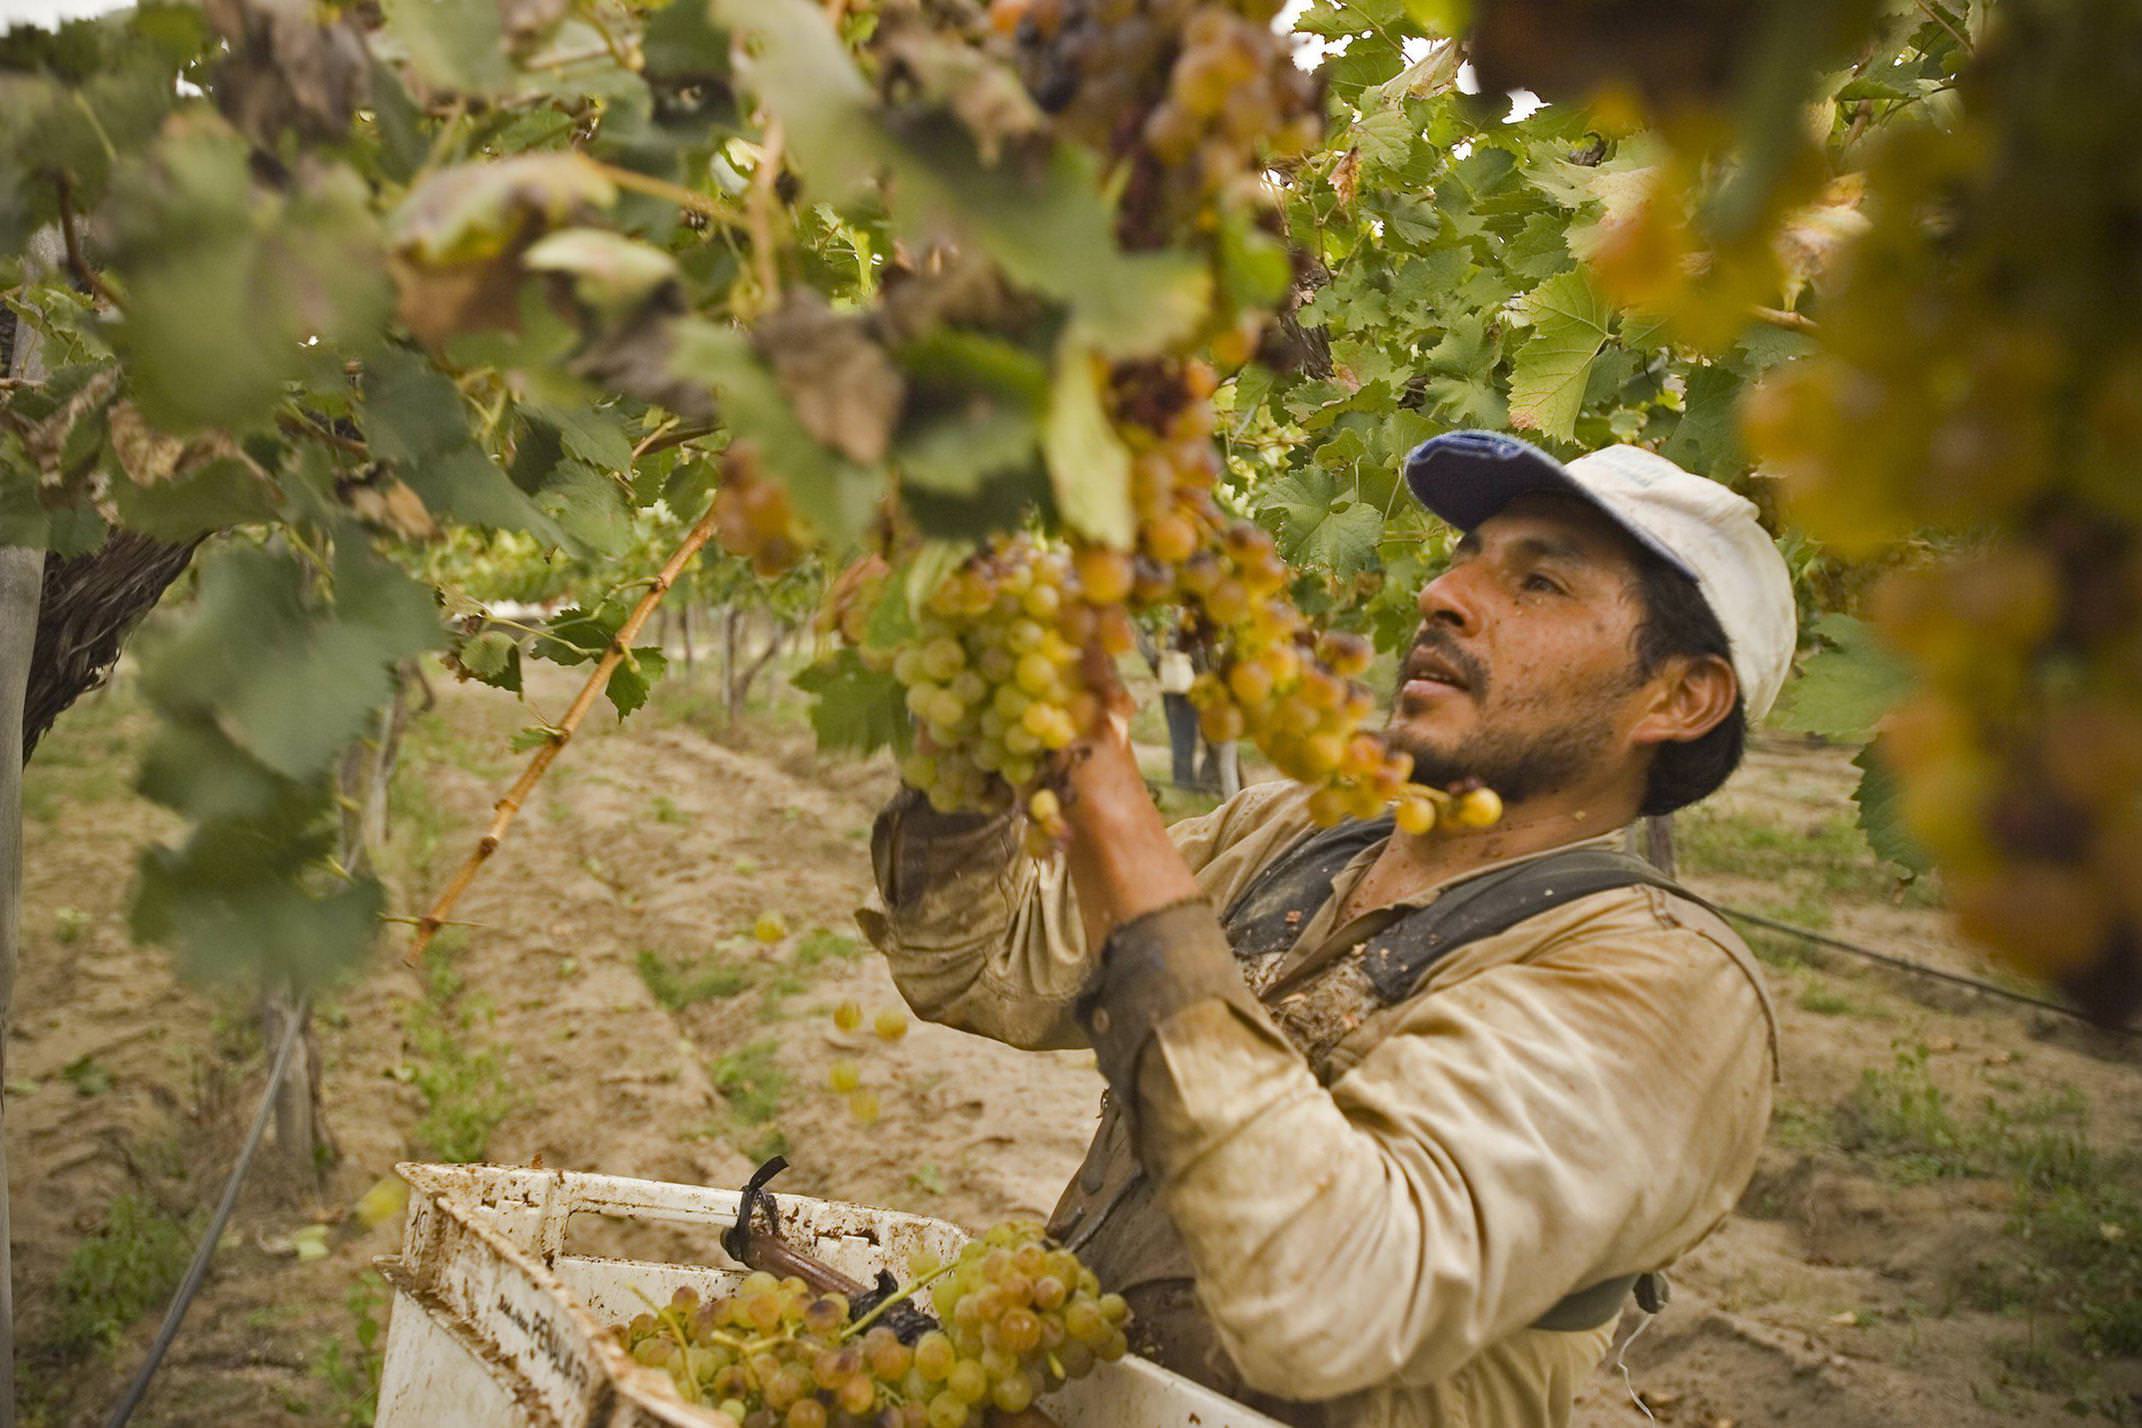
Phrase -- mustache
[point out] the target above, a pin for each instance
(1435, 640)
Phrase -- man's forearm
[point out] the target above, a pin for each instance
(1122, 862)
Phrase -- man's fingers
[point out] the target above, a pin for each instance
(1098, 668)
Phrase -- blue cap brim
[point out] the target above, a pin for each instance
(1467, 476)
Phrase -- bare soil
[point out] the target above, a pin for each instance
(1844, 1292)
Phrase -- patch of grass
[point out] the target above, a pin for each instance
(664, 809)
(824, 945)
(2075, 1215)
(1898, 1118)
(685, 982)
(127, 1267)
(88, 1076)
(68, 925)
(461, 1077)
(751, 1081)
(1828, 855)
(1823, 998)
(349, 1378)
(1796, 1125)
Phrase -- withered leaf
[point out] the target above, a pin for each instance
(146, 455)
(842, 385)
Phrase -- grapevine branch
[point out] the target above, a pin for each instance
(69, 230)
(687, 198)
(504, 810)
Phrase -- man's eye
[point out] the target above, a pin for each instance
(1542, 583)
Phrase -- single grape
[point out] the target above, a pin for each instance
(848, 1015)
(968, 1381)
(934, 1356)
(843, 1076)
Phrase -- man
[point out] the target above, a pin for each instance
(1379, 1147)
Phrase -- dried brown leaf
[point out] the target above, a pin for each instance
(843, 387)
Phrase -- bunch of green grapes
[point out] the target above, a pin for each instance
(1020, 1317)
(995, 679)
(1979, 380)
(1194, 98)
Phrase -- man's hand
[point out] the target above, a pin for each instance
(1123, 864)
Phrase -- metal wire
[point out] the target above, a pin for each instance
(197, 1271)
(1905, 964)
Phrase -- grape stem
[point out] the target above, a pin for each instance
(906, 1292)
(1790, 321)
(503, 812)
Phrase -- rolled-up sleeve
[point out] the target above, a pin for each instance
(982, 937)
(1541, 1125)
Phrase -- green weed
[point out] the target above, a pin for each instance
(665, 810)
(68, 925)
(682, 983)
(1823, 855)
(750, 1080)
(128, 1266)
(87, 1075)
(350, 1378)
(1901, 1120)
(461, 1077)
(824, 945)
(2074, 1214)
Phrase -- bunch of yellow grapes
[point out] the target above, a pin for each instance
(1019, 1317)
(996, 675)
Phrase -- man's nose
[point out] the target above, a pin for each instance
(1448, 600)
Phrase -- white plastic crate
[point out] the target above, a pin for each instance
(495, 1325)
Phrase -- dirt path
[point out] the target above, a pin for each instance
(612, 1010)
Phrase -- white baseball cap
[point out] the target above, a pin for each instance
(1699, 527)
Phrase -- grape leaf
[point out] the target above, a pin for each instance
(574, 636)
(1089, 466)
(227, 491)
(493, 658)
(855, 706)
(832, 493)
(412, 416)
(594, 435)
(1547, 381)
(1844, 688)
(229, 284)
(588, 507)
(1881, 815)
(288, 681)
(955, 453)
(455, 45)
(1707, 439)
(634, 677)
(1322, 525)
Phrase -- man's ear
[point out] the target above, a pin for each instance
(1690, 697)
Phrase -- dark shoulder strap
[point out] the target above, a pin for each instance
(1495, 902)
(1271, 911)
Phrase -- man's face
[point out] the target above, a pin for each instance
(1524, 674)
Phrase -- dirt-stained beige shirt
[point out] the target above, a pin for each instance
(1375, 1225)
